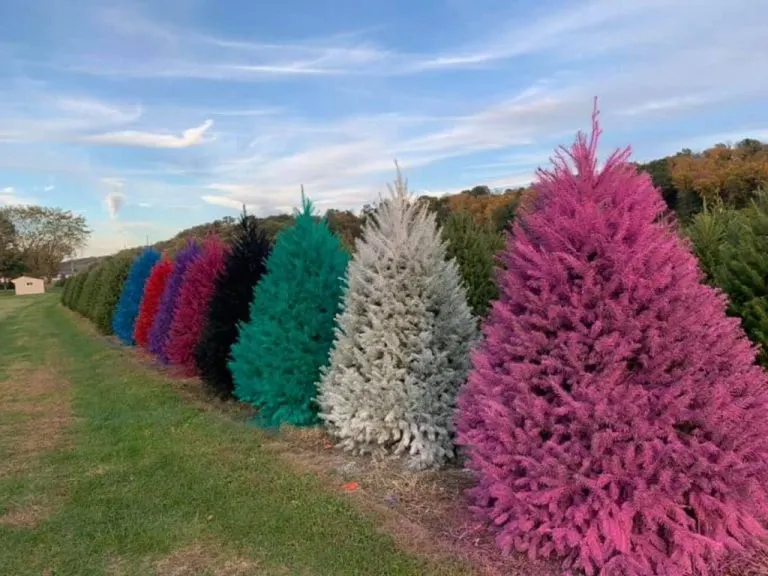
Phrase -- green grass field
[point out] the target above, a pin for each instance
(105, 469)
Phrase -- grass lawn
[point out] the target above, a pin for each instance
(105, 469)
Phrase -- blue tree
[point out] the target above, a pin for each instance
(124, 320)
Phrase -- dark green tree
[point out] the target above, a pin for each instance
(68, 283)
(277, 358)
(478, 191)
(87, 300)
(661, 176)
(110, 287)
(709, 231)
(732, 247)
(473, 246)
(77, 289)
(438, 205)
(743, 270)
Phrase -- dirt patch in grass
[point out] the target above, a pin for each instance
(200, 559)
(35, 412)
(36, 404)
(27, 515)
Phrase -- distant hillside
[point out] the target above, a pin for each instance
(723, 173)
(494, 208)
(77, 265)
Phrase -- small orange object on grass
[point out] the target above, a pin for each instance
(350, 486)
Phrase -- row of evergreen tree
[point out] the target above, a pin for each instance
(260, 322)
(612, 412)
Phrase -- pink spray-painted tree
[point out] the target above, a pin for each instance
(613, 415)
(192, 307)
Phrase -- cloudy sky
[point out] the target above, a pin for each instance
(148, 117)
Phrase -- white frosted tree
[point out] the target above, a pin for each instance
(402, 343)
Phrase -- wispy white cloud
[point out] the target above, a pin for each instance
(32, 114)
(226, 202)
(592, 28)
(674, 61)
(666, 105)
(190, 137)
(171, 51)
(10, 197)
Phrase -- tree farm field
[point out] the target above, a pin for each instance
(106, 468)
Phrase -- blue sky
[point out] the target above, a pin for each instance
(148, 117)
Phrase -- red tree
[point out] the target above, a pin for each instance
(150, 302)
(192, 307)
(614, 414)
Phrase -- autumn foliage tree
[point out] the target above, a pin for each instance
(158, 335)
(484, 208)
(723, 172)
(614, 414)
(230, 304)
(150, 301)
(192, 308)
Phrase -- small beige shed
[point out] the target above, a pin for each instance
(27, 285)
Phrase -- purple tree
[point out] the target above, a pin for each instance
(613, 415)
(158, 336)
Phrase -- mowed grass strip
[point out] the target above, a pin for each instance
(142, 483)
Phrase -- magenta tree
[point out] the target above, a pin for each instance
(614, 415)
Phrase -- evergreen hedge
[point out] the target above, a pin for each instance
(77, 289)
(87, 299)
(111, 287)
